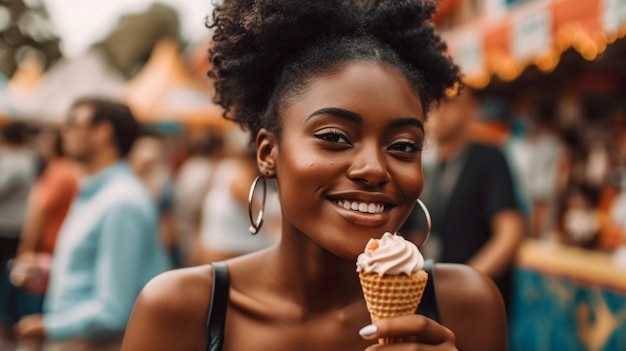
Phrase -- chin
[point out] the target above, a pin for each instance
(351, 249)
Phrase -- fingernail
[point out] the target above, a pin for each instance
(368, 330)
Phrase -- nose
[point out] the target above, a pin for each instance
(369, 167)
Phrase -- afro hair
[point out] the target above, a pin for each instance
(264, 48)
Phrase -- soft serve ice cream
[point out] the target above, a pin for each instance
(392, 255)
(392, 277)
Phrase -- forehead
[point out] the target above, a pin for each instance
(81, 114)
(362, 87)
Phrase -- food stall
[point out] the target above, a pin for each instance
(566, 297)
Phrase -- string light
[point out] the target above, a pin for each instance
(571, 35)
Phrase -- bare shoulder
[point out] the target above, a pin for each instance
(171, 310)
(466, 288)
(179, 289)
(470, 305)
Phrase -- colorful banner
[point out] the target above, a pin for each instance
(469, 52)
(532, 33)
(614, 15)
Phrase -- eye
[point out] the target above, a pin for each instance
(409, 147)
(332, 136)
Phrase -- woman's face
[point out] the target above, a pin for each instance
(348, 163)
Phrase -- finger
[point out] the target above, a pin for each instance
(18, 328)
(423, 329)
(23, 325)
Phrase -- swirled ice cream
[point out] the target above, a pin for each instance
(390, 255)
(392, 278)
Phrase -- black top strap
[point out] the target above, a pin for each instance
(219, 302)
(428, 307)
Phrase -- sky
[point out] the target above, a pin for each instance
(80, 23)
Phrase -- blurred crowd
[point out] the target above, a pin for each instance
(79, 238)
(568, 169)
(571, 172)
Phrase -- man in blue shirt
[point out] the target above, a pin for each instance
(108, 247)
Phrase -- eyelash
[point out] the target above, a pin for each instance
(414, 147)
(330, 134)
(335, 135)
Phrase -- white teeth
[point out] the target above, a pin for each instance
(361, 206)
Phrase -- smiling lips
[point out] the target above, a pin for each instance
(363, 207)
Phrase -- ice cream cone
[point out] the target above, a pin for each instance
(392, 295)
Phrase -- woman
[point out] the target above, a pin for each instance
(335, 94)
(49, 201)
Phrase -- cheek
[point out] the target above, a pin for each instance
(410, 180)
(417, 180)
(69, 142)
(302, 172)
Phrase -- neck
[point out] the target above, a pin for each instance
(101, 160)
(315, 279)
(447, 149)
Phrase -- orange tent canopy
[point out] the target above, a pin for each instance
(166, 91)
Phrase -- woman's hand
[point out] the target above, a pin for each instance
(30, 271)
(31, 327)
(408, 332)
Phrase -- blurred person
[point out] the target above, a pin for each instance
(224, 219)
(191, 184)
(49, 199)
(598, 161)
(579, 218)
(618, 217)
(536, 155)
(149, 159)
(469, 190)
(590, 177)
(619, 208)
(18, 172)
(48, 203)
(108, 246)
(613, 197)
(492, 125)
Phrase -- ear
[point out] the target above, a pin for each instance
(266, 152)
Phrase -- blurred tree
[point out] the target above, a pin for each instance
(25, 29)
(129, 45)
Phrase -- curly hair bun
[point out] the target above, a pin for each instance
(405, 27)
(254, 40)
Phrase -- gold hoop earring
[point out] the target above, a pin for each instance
(428, 220)
(255, 224)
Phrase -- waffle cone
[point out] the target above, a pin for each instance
(392, 295)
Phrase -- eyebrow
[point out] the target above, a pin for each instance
(356, 118)
(407, 121)
(338, 112)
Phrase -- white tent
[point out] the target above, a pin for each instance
(68, 80)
